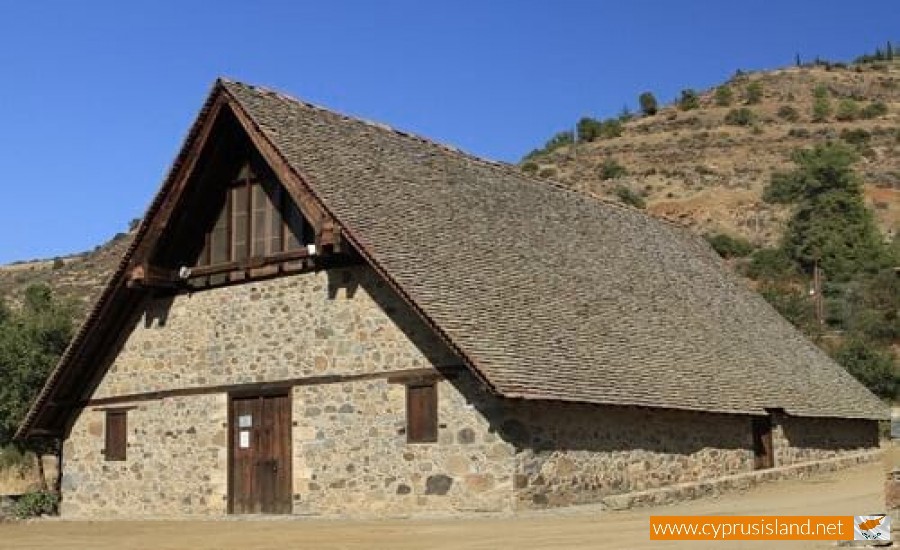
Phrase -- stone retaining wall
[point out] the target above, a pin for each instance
(737, 482)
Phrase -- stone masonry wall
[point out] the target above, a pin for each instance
(798, 439)
(351, 455)
(342, 321)
(176, 461)
(573, 454)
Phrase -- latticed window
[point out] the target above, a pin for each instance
(258, 219)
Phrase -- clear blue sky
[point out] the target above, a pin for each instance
(96, 96)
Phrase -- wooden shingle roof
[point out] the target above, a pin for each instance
(548, 293)
(545, 293)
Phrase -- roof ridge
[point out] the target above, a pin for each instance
(453, 150)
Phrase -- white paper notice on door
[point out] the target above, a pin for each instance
(244, 439)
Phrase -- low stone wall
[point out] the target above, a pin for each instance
(689, 491)
(6, 505)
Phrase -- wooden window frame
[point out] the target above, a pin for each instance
(116, 444)
(275, 206)
(424, 430)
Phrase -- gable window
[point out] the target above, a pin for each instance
(116, 435)
(257, 219)
(421, 412)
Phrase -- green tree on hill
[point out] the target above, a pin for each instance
(689, 100)
(830, 222)
(31, 342)
(648, 103)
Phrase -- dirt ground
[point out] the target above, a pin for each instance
(854, 491)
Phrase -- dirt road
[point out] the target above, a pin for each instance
(855, 491)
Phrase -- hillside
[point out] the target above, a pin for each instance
(78, 277)
(706, 168)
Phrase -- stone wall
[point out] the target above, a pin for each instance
(342, 321)
(573, 454)
(798, 439)
(176, 461)
(351, 455)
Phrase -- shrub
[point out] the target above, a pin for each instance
(871, 366)
(740, 117)
(724, 96)
(874, 110)
(588, 129)
(549, 172)
(611, 169)
(798, 133)
(771, 264)
(857, 137)
(728, 246)
(648, 103)
(559, 139)
(628, 196)
(611, 128)
(821, 109)
(689, 100)
(793, 306)
(754, 92)
(530, 167)
(58, 263)
(820, 92)
(847, 110)
(36, 504)
(788, 113)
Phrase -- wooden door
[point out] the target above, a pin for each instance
(763, 454)
(260, 455)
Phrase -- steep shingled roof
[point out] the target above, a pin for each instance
(546, 293)
(551, 294)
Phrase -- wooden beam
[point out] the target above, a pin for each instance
(448, 371)
(146, 275)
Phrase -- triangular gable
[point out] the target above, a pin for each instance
(171, 237)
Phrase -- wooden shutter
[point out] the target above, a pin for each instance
(261, 206)
(421, 413)
(240, 210)
(116, 435)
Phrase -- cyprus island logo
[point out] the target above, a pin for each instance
(872, 528)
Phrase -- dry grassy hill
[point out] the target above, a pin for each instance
(696, 168)
(78, 277)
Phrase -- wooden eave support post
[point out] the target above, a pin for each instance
(145, 275)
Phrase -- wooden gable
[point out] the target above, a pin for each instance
(236, 217)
